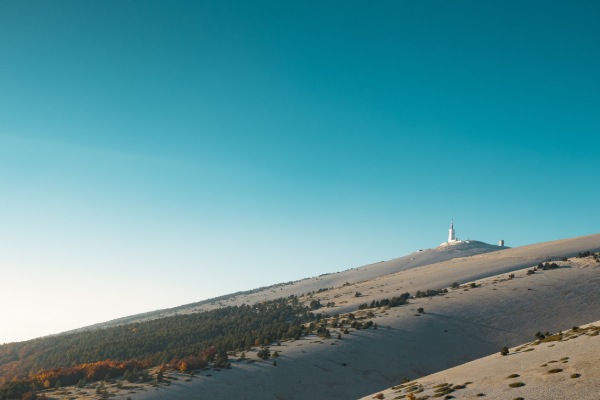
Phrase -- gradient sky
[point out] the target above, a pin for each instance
(157, 153)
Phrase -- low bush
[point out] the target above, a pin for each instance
(547, 266)
(554, 370)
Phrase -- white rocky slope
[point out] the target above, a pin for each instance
(461, 326)
(560, 366)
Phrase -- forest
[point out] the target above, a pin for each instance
(194, 338)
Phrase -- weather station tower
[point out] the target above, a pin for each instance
(451, 236)
(451, 233)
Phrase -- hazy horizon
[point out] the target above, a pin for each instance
(154, 154)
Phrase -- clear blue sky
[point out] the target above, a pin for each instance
(156, 153)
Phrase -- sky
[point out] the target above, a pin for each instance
(158, 153)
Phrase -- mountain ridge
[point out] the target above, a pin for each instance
(381, 268)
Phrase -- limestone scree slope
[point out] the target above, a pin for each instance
(488, 310)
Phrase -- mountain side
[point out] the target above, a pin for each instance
(490, 300)
(471, 321)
